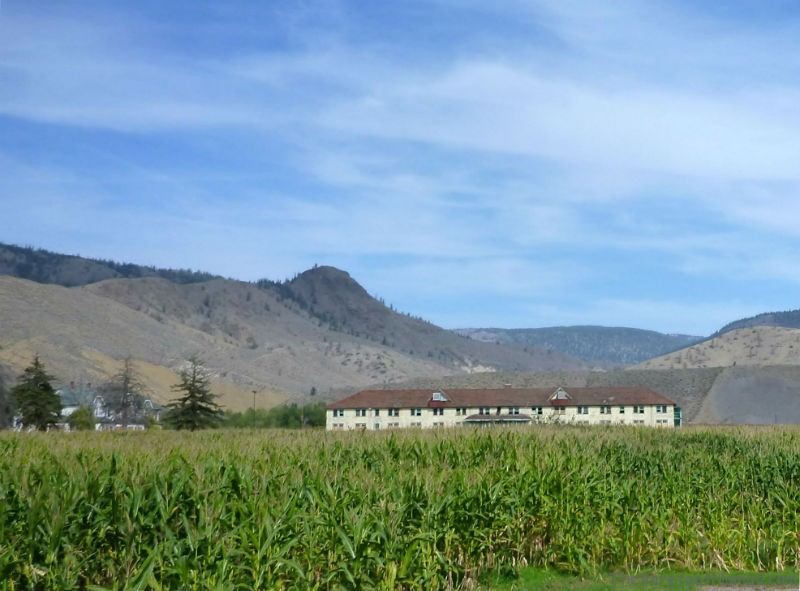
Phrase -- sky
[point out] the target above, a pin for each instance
(506, 164)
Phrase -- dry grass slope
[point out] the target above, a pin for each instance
(754, 346)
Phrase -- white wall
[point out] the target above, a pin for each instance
(450, 418)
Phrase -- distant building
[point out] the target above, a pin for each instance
(396, 409)
(73, 397)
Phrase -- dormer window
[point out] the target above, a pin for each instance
(560, 394)
(439, 397)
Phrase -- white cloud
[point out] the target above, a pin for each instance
(519, 171)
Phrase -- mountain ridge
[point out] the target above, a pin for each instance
(603, 346)
(319, 331)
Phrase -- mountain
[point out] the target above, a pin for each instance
(337, 300)
(755, 346)
(786, 319)
(598, 345)
(44, 266)
(319, 331)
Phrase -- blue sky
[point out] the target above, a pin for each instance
(510, 164)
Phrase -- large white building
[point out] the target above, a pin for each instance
(396, 409)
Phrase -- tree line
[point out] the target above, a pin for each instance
(36, 404)
(287, 416)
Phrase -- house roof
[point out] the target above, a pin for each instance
(477, 397)
(76, 396)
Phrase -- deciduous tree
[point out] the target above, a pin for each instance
(124, 392)
(82, 419)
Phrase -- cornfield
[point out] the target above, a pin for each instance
(402, 510)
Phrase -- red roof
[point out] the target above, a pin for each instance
(521, 397)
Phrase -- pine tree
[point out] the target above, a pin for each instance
(196, 408)
(35, 399)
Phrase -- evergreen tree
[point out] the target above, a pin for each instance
(195, 408)
(36, 400)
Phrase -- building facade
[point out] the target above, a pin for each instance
(397, 409)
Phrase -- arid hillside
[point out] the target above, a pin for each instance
(247, 337)
(252, 337)
(753, 346)
(753, 396)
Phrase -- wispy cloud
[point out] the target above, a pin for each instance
(557, 156)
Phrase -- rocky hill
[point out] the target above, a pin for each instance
(321, 331)
(755, 346)
(339, 302)
(601, 346)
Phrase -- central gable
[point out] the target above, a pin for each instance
(560, 394)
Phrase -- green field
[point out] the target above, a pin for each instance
(532, 579)
(233, 509)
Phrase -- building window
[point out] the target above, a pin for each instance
(416, 424)
(438, 424)
(622, 410)
(361, 425)
(638, 409)
(338, 412)
(605, 410)
(560, 410)
(537, 410)
(376, 426)
(461, 411)
(393, 425)
(361, 412)
(377, 412)
(416, 412)
(638, 422)
(438, 412)
(394, 412)
(514, 410)
(583, 410)
(485, 410)
(661, 408)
